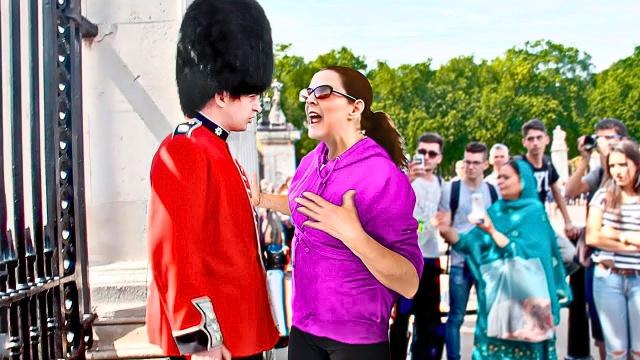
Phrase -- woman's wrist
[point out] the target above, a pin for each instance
(499, 238)
(355, 238)
(624, 238)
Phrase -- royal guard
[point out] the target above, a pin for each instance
(208, 296)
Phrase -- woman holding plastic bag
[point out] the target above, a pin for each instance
(514, 256)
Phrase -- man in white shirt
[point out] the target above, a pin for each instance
(427, 344)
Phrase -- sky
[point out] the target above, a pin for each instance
(412, 31)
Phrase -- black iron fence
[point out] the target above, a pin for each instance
(44, 302)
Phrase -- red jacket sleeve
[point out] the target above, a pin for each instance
(180, 233)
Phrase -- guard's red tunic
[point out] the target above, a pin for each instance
(204, 249)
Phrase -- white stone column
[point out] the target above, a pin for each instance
(559, 154)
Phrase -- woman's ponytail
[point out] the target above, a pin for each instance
(379, 127)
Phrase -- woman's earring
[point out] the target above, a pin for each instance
(363, 132)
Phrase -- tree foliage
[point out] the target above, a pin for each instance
(467, 100)
(616, 93)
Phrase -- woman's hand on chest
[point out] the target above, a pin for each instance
(341, 222)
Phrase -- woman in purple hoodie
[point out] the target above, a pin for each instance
(355, 248)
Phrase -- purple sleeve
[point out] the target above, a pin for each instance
(388, 218)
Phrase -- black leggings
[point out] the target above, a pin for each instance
(304, 346)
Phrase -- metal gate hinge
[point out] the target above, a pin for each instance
(88, 29)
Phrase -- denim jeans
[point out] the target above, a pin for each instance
(460, 282)
(617, 299)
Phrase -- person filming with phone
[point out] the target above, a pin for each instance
(427, 339)
(608, 133)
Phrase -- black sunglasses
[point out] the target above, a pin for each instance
(432, 154)
(321, 92)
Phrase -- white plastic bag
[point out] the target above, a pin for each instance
(518, 301)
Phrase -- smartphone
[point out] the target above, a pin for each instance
(477, 208)
(418, 159)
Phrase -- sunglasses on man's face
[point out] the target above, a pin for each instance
(322, 92)
(431, 154)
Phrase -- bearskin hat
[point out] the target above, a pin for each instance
(224, 45)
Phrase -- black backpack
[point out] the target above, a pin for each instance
(454, 200)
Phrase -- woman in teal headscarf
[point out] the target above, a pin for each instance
(511, 252)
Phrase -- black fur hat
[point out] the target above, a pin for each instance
(224, 45)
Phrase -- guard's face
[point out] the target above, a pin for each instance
(327, 116)
(242, 111)
(509, 183)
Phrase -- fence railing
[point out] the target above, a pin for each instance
(44, 298)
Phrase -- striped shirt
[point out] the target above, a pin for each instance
(627, 220)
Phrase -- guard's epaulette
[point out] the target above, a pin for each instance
(186, 128)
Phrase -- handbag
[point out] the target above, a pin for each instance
(518, 301)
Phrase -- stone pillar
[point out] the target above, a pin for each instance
(243, 147)
(276, 140)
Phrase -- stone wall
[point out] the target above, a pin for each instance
(130, 105)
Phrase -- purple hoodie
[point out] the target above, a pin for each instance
(334, 294)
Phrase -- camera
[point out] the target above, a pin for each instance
(590, 142)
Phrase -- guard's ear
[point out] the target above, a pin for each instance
(222, 98)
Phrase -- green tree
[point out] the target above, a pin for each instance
(465, 100)
(616, 93)
(403, 94)
(542, 80)
(455, 92)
